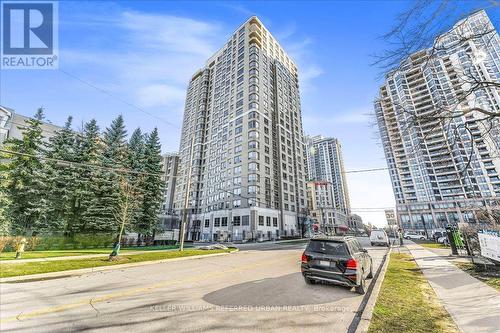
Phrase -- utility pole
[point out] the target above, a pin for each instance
(186, 198)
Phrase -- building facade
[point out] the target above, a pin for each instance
(321, 206)
(325, 163)
(170, 164)
(5, 117)
(242, 145)
(355, 223)
(12, 124)
(168, 219)
(443, 173)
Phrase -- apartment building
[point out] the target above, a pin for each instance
(168, 219)
(12, 125)
(443, 172)
(321, 206)
(170, 164)
(242, 148)
(325, 163)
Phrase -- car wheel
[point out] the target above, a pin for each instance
(309, 281)
(360, 289)
(422, 238)
(370, 275)
(371, 243)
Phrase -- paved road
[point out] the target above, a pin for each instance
(253, 290)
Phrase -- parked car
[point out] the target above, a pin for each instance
(410, 235)
(379, 237)
(443, 240)
(438, 234)
(338, 260)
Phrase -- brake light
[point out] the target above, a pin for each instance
(304, 258)
(352, 264)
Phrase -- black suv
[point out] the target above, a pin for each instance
(339, 260)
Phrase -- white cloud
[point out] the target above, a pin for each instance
(160, 95)
(170, 33)
(286, 32)
(299, 49)
(322, 121)
(151, 61)
(307, 75)
(354, 117)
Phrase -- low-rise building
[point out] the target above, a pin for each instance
(355, 223)
(12, 125)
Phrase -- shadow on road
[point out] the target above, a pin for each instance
(286, 290)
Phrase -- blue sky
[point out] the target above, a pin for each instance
(144, 53)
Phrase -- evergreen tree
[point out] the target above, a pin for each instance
(26, 182)
(88, 146)
(103, 205)
(63, 190)
(135, 162)
(152, 185)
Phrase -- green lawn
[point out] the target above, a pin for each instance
(492, 281)
(81, 252)
(7, 269)
(431, 244)
(407, 303)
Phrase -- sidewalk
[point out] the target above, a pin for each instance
(473, 305)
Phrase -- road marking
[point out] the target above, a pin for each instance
(135, 291)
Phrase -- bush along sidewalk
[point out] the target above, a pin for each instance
(407, 303)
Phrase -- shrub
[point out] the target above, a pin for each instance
(16, 242)
(4, 242)
(32, 243)
(93, 241)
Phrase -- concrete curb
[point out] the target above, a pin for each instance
(77, 272)
(366, 316)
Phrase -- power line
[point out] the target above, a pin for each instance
(366, 170)
(79, 164)
(125, 170)
(86, 165)
(107, 93)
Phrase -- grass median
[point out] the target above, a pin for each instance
(28, 268)
(431, 244)
(407, 303)
(80, 252)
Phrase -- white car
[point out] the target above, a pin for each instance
(443, 240)
(409, 235)
(379, 237)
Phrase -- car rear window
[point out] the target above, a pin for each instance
(327, 247)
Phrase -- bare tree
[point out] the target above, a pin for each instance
(423, 46)
(442, 86)
(123, 215)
